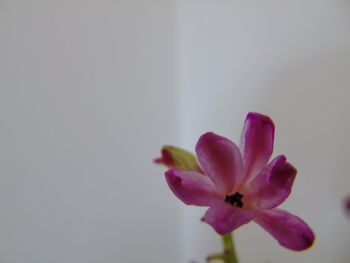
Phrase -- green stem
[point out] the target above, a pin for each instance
(228, 255)
(229, 249)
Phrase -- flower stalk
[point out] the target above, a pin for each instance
(229, 249)
(229, 253)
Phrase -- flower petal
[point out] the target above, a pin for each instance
(347, 204)
(273, 184)
(225, 218)
(221, 160)
(289, 230)
(256, 143)
(174, 157)
(192, 188)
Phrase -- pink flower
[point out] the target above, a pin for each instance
(240, 185)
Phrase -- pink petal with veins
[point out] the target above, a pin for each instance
(256, 143)
(221, 161)
(192, 188)
(289, 230)
(273, 184)
(225, 218)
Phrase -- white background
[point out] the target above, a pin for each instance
(90, 90)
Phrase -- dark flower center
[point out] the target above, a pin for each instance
(235, 199)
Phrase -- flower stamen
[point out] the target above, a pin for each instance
(235, 199)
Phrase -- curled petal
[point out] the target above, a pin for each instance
(273, 184)
(225, 218)
(256, 143)
(221, 160)
(174, 157)
(192, 188)
(289, 230)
